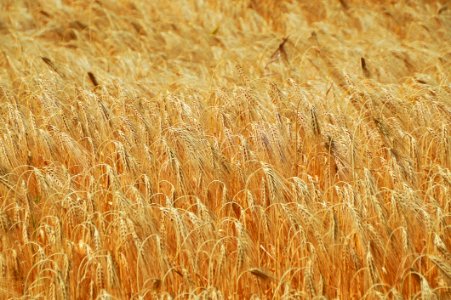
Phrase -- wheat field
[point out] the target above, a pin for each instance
(207, 149)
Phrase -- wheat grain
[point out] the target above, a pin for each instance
(260, 274)
(110, 271)
(100, 276)
(442, 265)
(426, 292)
(123, 230)
(315, 124)
(441, 247)
(96, 238)
(308, 279)
(3, 267)
(242, 244)
(372, 270)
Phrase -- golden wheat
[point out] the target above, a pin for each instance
(225, 149)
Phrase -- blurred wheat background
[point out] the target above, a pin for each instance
(225, 149)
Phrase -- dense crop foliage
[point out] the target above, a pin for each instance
(225, 149)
